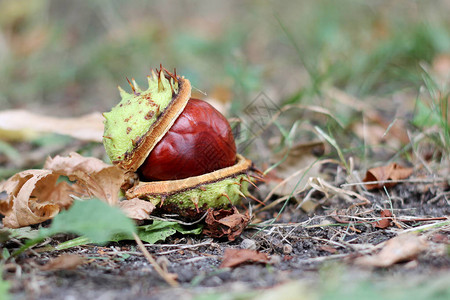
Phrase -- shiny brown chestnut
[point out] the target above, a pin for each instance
(199, 142)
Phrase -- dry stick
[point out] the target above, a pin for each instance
(179, 221)
(185, 247)
(435, 180)
(166, 276)
(179, 246)
(439, 195)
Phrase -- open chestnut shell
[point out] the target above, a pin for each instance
(182, 149)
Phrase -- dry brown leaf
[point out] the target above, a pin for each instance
(12, 126)
(63, 262)
(391, 172)
(235, 257)
(137, 209)
(100, 179)
(386, 214)
(403, 247)
(33, 196)
(229, 223)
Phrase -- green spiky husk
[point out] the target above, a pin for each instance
(192, 196)
(130, 120)
(205, 196)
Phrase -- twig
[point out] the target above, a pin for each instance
(396, 181)
(184, 247)
(166, 276)
(438, 196)
(343, 255)
(178, 221)
(179, 246)
(428, 226)
(194, 259)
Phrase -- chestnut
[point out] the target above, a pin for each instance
(199, 142)
(182, 148)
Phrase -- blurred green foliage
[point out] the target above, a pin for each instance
(68, 56)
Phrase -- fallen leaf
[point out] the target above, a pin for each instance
(34, 196)
(83, 219)
(229, 223)
(136, 208)
(404, 247)
(63, 262)
(100, 179)
(158, 231)
(24, 233)
(235, 257)
(12, 126)
(386, 221)
(392, 171)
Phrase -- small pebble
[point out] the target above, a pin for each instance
(287, 249)
(248, 244)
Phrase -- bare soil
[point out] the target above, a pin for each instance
(301, 247)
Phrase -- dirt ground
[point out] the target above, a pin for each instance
(302, 248)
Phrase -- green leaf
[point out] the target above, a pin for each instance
(19, 233)
(5, 254)
(94, 219)
(159, 231)
(24, 233)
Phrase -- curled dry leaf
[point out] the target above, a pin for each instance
(100, 179)
(235, 257)
(137, 209)
(34, 196)
(391, 172)
(229, 223)
(63, 262)
(12, 126)
(401, 248)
